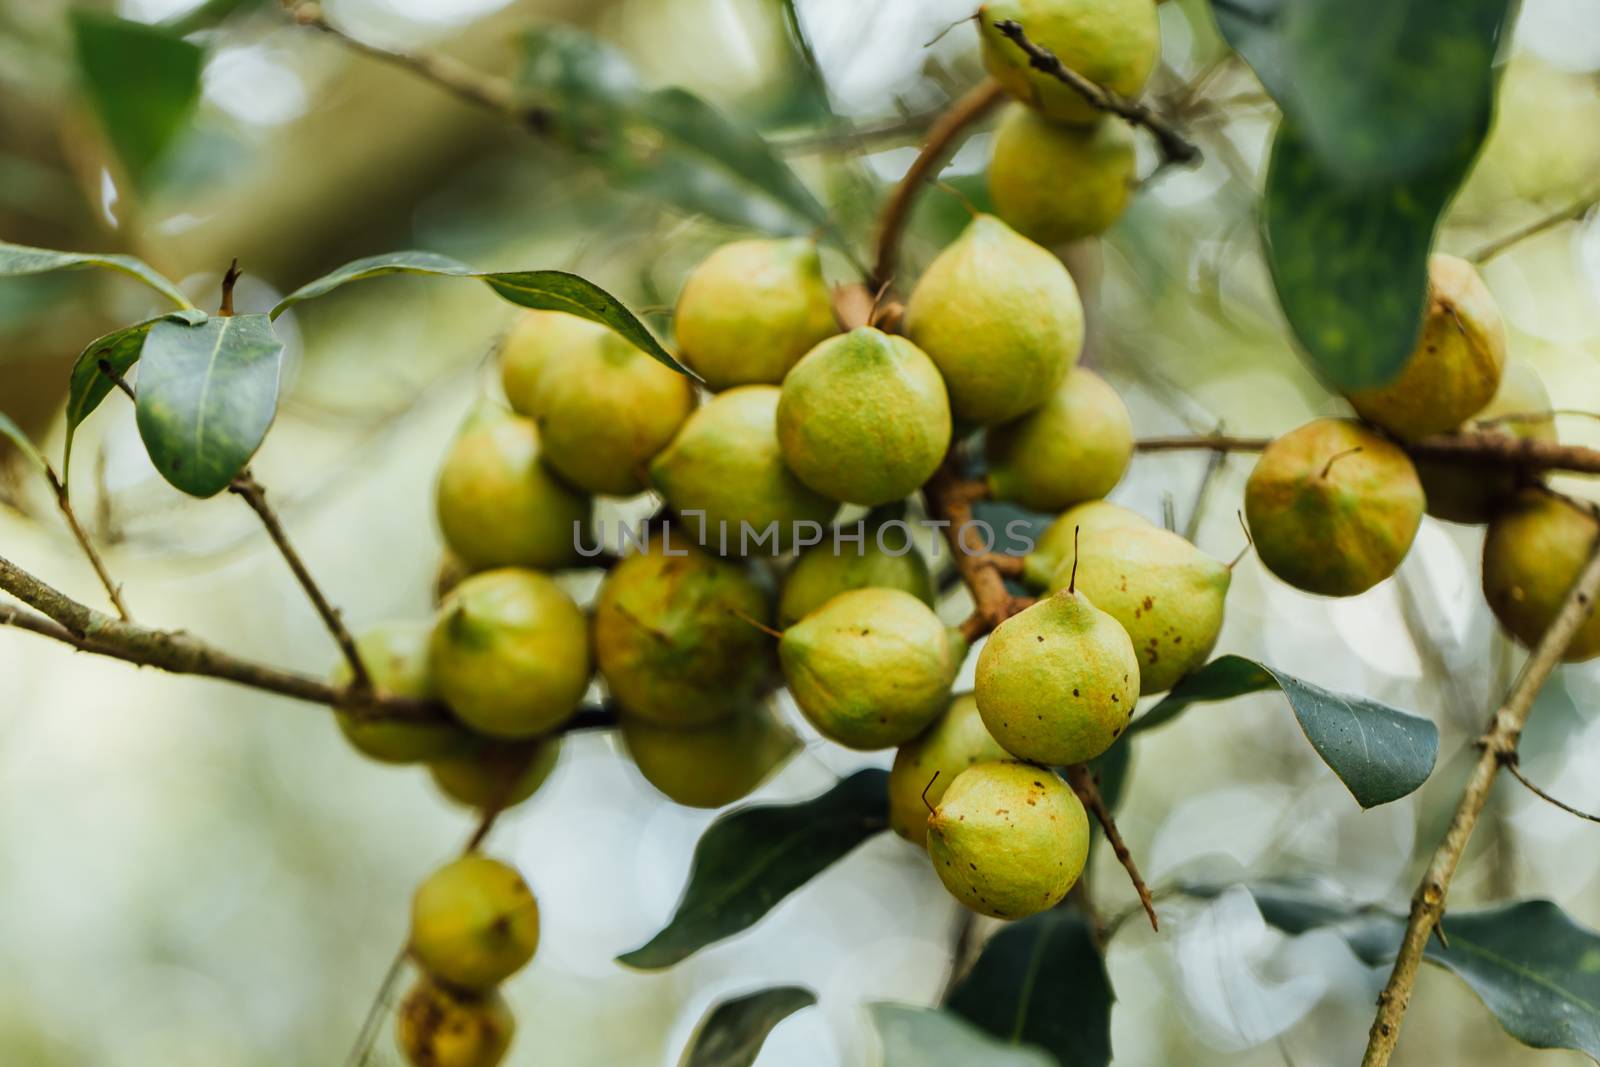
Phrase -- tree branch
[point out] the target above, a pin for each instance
(1571, 213)
(1515, 771)
(247, 488)
(1499, 745)
(1088, 790)
(1175, 148)
(1463, 448)
(950, 498)
(942, 137)
(453, 76)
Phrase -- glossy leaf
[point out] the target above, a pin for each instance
(143, 81)
(928, 1037)
(548, 290)
(206, 396)
(1350, 262)
(1535, 968)
(1042, 981)
(1383, 89)
(1379, 752)
(750, 859)
(11, 431)
(90, 384)
(17, 260)
(732, 1032)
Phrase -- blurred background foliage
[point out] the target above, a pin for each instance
(197, 874)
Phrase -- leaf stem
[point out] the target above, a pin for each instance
(1499, 747)
(1571, 213)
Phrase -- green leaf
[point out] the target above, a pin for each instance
(1383, 89)
(928, 1037)
(1379, 752)
(732, 1032)
(750, 859)
(1042, 981)
(206, 396)
(17, 260)
(89, 384)
(1385, 104)
(547, 290)
(666, 143)
(697, 127)
(9, 429)
(143, 82)
(1350, 262)
(1535, 968)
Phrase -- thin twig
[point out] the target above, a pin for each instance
(252, 493)
(1464, 448)
(1083, 783)
(64, 502)
(1499, 745)
(482, 90)
(1572, 213)
(1512, 768)
(942, 137)
(1175, 148)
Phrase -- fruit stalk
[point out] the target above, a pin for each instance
(1499, 747)
(1175, 148)
(1083, 783)
(942, 137)
(951, 498)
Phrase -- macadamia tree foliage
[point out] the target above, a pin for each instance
(851, 459)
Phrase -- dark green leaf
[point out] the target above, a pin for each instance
(90, 384)
(928, 1037)
(549, 290)
(206, 396)
(1383, 89)
(1350, 262)
(142, 80)
(1385, 104)
(1380, 753)
(1041, 981)
(17, 260)
(732, 1032)
(1535, 968)
(9, 429)
(750, 859)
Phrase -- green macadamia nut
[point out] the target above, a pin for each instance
(603, 407)
(871, 668)
(498, 506)
(677, 635)
(1000, 317)
(1333, 507)
(751, 310)
(474, 923)
(1057, 682)
(1008, 839)
(395, 656)
(925, 766)
(864, 418)
(1073, 449)
(510, 653)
